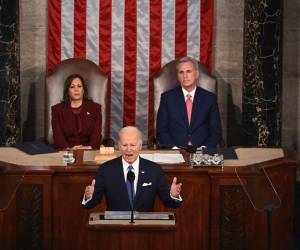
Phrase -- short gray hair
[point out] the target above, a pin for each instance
(131, 129)
(187, 59)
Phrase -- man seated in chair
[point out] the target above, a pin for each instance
(188, 115)
(149, 181)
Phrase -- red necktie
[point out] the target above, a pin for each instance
(189, 106)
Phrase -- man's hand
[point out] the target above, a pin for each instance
(89, 190)
(175, 188)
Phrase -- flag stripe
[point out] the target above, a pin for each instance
(54, 33)
(130, 63)
(92, 30)
(155, 52)
(193, 29)
(206, 17)
(105, 35)
(181, 28)
(168, 31)
(67, 29)
(80, 28)
(117, 67)
(142, 67)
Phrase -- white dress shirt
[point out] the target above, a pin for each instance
(186, 93)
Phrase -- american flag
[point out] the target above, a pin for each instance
(130, 40)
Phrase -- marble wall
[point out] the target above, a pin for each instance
(227, 67)
(262, 81)
(9, 73)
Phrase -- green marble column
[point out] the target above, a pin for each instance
(9, 73)
(262, 73)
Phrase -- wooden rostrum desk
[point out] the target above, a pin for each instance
(122, 234)
(46, 211)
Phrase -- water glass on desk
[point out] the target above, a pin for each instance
(68, 157)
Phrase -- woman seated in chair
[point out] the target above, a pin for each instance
(76, 121)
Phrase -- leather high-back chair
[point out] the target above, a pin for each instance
(167, 79)
(95, 80)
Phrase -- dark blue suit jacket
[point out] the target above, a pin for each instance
(110, 182)
(172, 128)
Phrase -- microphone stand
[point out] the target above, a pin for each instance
(269, 208)
(131, 177)
(131, 217)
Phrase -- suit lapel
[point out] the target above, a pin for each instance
(69, 119)
(181, 107)
(141, 180)
(196, 107)
(119, 178)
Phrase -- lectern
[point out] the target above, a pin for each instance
(145, 233)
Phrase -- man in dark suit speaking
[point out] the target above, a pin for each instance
(111, 179)
(188, 115)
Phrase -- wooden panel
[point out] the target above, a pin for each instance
(283, 217)
(30, 217)
(8, 228)
(69, 217)
(27, 220)
(232, 214)
(192, 217)
(131, 240)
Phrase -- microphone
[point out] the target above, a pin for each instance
(130, 178)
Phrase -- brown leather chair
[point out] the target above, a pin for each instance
(167, 79)
(96, 81)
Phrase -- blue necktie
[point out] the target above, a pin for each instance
(128, 185)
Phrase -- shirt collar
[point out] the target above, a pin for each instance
(135, 170)
(135, 165)
(185, 93)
